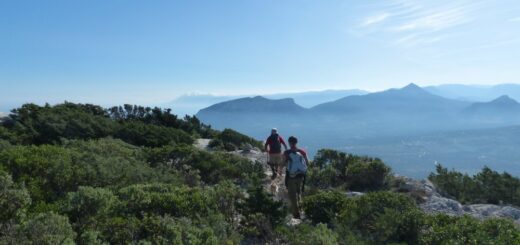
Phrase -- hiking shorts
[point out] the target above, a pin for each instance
(277, 163)
(276, 160)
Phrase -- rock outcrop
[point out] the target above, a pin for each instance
(433, 202)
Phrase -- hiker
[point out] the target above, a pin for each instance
(297, 163)
(273, 145)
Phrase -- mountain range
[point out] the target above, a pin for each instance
(380, 122)
(191, 104)
(477, 93)
(410, 105)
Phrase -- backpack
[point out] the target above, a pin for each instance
(276, 145)
(297, 165)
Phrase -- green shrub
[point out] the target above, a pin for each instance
(6, 137)
(228, 197)
(382, 217)
(487, 186)
(324, 178)
(216, 144)
(44, 228)
(444, 229)
(169, 230)
(121, 230)
(91, 237)
(367, 176)
(114, 163)
(337, 169)
(89, 205)
(34, 124)
(141, 134)
(324, 207)
(47, 171)
(162, 199)
(160, 117)
(233, 140)
(336, 159)
(312, 235)
(261, 213)
(213, 167)
(14, 199)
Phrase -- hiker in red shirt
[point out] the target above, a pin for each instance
(273, 145)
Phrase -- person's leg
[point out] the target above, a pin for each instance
(294, 189)
(271, 161)
(298, 186)
(279, 165)
(292, 196)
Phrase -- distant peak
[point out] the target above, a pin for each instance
(505, 99)
(411, 86)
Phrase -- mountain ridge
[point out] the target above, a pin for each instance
(255, 105)
(410, 97)
(475, 93)
(502, 107)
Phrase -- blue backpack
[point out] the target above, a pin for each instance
(296, 164)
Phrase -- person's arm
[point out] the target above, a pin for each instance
(307, 160)
(305, 157)
(283, 142)
(266, 144)
(285, 158)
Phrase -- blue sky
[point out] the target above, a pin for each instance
(149, 52)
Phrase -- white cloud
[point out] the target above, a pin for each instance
(435, 21)
(418, 39)
(418, 22)
(371, 20)
(516, 19)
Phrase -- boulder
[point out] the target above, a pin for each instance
(437, 204)
(433, 202)
(483, 211)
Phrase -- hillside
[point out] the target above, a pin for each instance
(84, 174)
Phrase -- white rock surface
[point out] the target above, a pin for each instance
(202, 143)
(435, 203)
